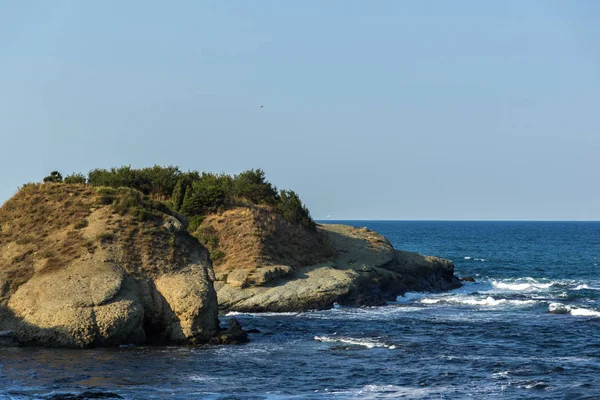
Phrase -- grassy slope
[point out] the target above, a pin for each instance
(45, 227)
(252, 236)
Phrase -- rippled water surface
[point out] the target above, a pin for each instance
(528, 328)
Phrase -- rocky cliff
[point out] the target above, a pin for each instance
(270, 265)
(82, 267)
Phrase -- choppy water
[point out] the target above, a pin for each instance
(529, 328)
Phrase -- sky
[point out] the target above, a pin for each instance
(462, 110)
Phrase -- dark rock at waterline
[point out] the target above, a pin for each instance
(84, 396)
(8, 339)
(252, 331)
(468, 279)
(234, 334)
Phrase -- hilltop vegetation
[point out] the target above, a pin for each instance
(197, 194)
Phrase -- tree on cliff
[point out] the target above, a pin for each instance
(196, 194)
(75, 178)
(54, 177)
(293, 210)
(253, 186)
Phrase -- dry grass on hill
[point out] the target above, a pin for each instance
(253, 236)
(45, 227)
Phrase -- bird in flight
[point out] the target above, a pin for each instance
(261, 106)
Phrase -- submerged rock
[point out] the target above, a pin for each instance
(234, 334)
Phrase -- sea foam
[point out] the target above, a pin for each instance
(475, 301)
(560, 308)
(368, 343)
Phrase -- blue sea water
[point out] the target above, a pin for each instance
(528, 328)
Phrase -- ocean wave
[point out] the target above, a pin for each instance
(474, 301)
(585, 286)
(474, 259)
(528, 284)
(390, 392)
(560, 308)
(261, 314)
(411, 296)
(368, 343)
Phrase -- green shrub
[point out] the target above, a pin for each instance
(106, 237)
(48, 254)
(208, 237)
(81, 224)
(179, 194)
(127, 199)
(217, 256)
(293, 210)
(75, 178)
(106, 195)
(253, 186)
(194, 222)
(204, 196)
(54, 177)
(191, 193)
(141, 214)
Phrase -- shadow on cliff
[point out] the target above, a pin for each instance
(156, 330)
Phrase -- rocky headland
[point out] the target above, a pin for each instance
(84, 266)
(343, 264)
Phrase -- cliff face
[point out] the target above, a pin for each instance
(82, 267)
(348, 266)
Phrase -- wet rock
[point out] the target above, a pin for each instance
(234, 334)
(8, 339)
(468, 279)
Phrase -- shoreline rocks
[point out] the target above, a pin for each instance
(366, 270)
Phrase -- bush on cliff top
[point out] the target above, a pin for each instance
(194, 194)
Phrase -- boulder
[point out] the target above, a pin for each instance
(234, 334)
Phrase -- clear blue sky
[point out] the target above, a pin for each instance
(372, 109)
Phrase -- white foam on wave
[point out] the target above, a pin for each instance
(391, 392)
(368, 343)
(560, 308)
(411, 296)
(261, 314)
(584, 312)
(585, 286)
(475, 301)
(474, 258)
(530, 284)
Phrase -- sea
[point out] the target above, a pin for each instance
(527, 328)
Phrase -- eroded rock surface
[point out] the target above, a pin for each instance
(366, 270)
(94, 277)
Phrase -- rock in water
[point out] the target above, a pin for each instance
(232, 335)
